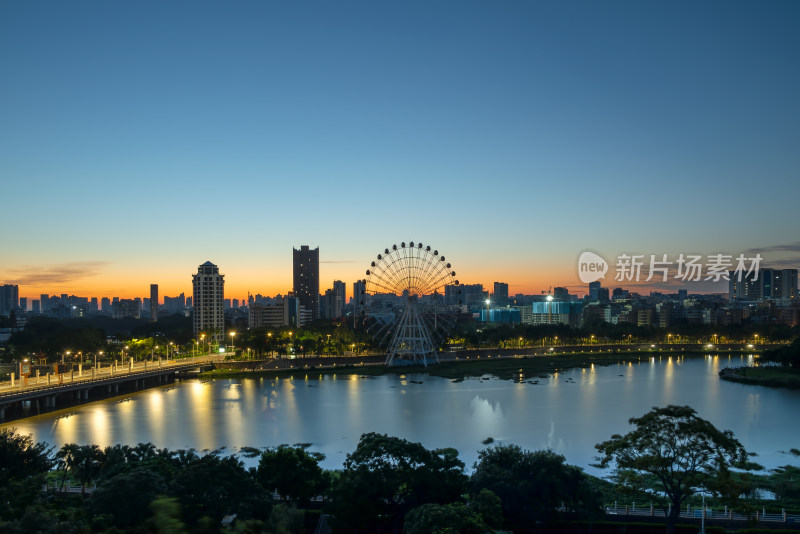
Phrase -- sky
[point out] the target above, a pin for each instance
(141, 139)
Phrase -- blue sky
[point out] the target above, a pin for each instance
(142, 139)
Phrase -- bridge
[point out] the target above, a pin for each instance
(77, 386)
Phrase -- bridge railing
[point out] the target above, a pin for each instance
(697, 512)
(105, 375)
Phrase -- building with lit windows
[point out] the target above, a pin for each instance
(306, 278)
(208, 296)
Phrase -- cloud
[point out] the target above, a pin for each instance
(778, 256)
(58, 274)
(791, 247)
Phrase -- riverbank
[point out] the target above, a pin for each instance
(771, 376)
(505, 368)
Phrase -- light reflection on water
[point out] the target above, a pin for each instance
(568, 412)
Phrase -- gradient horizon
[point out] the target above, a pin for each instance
(140, 141)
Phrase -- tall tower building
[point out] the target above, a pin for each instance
(9, 298)
(154, 302)
(500, 293)
(306, 278)
(340, 290)
(209, 314)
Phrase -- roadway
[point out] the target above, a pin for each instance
(92, 375)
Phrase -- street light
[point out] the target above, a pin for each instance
(233, 347)
(269, 342)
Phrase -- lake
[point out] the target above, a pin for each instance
(568, 411)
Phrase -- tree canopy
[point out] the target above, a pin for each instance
(532, 485)
(23, 464)
(292, 471)
(385, 477)
(676, 447)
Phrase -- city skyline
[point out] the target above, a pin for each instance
(141, 141)
(673, 284)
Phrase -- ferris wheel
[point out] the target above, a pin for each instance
(405, 304)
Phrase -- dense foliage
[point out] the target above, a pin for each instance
(387, 484)
(788, 356)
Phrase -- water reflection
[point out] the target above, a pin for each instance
(569, 412)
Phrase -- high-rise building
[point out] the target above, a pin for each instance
(784, 284)
(594, 291)
(175, 304)
(208, 297)
(35, 306)
(467, 294)
(286, 312)
(126, 308)
(340, 288)
(500, 296)
(764, 284)
(332, 305)
(23, 304)
(9, 298)
(561, 293)
(359, 294)
(306, 278)
(154, 302)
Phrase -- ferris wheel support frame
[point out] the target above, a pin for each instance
(411, 342)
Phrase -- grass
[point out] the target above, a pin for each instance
(530, 368)
(772, 376)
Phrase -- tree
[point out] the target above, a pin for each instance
(443, 519)
(214, 486)
(292, 471)
(166, 518)
(532, 485)
(489, 506)
(385, 477)
(23, 465)
(65, 460)
(788, 356)
(126, 496)
(682, 451)
(88, 460)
